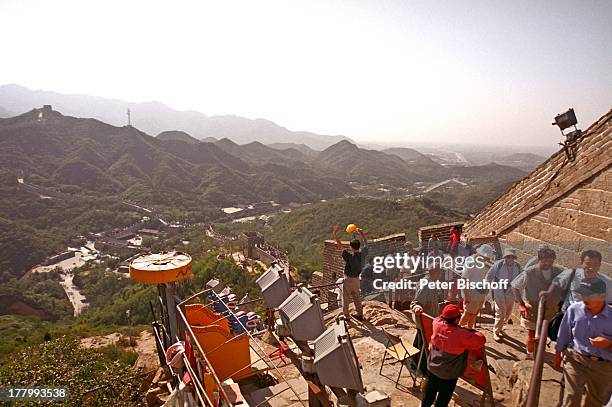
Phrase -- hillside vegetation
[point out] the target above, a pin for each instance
(109, 296)
(94, 377)
(303, 231)
(32, 228)
(99, 159)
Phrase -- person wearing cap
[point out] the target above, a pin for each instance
(473, 298)
(353, 263)
(585, 340)
(527, 288)
(503, 270)
(447, 356)
(429, 300)
(570, 279)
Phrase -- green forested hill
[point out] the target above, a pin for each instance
(92, 157)
(378, 217)
(371, 166)
(85, 168)
(32, 228)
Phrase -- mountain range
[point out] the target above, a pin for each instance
(155, 117)
(76, 172)
(91, 157)
(524, 161)
(397, 167)
(87, 155)
(394, 166)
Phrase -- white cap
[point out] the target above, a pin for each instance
(486, 250)
(509, 252)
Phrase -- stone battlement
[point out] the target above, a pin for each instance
(565, 204)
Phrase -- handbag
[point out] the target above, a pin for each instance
(555, 321)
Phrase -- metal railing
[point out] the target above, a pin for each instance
(541, 334)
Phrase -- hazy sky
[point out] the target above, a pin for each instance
(380, 71)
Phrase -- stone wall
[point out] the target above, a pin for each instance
(333, 264)
(263, 256)
(579, 221)
(551, 181)
(442, 230)
(248, 240)
(563, 203)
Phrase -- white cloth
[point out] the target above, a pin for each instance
(180, 397)
(338, 289)
(174, 354)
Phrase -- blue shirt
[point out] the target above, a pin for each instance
(562, 280)
(579, 324)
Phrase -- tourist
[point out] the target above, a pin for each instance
(505, 269)
(427, 299)
(534, 260)
(430, 301)
(353, 261)
(585, 340)
(527, 287)
(447, 356)
(570, 279)
(434, 245)
(473, 298)
(453, 241)
(409, 249)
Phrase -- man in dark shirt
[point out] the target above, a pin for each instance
(354, 259)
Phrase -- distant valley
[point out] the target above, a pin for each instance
(76, 174)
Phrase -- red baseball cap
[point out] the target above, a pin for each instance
(451, 311)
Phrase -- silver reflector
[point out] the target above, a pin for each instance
(274, 286)
(335, 359)
(301, 314)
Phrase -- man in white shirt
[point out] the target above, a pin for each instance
(506, 269)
